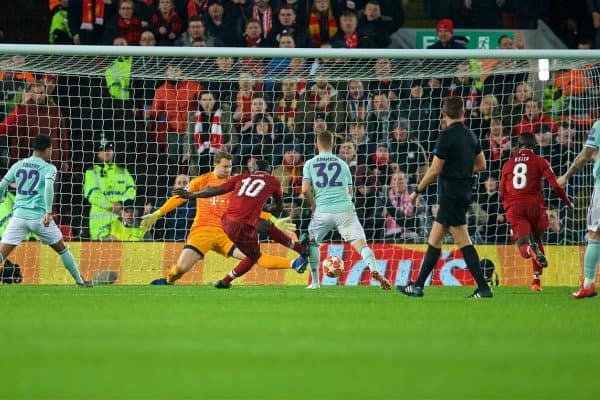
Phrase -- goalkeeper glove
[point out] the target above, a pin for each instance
(284, 224)
(149, 220)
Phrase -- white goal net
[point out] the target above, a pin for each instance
(130, 123)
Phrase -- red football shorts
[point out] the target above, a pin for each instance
(526, 218)
(244, 236)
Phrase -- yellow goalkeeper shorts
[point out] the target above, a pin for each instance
(206, 238)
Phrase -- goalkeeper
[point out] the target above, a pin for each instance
(207, 232)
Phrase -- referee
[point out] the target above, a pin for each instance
(456, 156)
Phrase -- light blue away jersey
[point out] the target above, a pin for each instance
(34, 178)
(330, 178)
(593, 140)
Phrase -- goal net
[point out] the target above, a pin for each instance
(129, 124)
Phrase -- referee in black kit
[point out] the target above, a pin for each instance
(456, 156)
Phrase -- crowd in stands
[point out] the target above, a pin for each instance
(121, 141)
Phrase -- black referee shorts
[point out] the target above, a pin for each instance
(453, 211)
(454, 197)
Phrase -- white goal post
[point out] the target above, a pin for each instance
(166, 111)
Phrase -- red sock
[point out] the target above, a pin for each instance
(524, 250)
(537, 269)
(280, 237)
(243, 266)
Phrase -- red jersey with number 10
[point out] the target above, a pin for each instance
(250, 193)
(521, 180)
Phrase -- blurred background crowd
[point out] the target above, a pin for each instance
(124, 137)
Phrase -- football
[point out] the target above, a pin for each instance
(333, 266)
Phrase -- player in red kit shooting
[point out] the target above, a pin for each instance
(250, 193)
(521, 194)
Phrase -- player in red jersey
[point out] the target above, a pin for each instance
(250, 193)
(521, 194)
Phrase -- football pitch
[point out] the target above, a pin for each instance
(251, 342)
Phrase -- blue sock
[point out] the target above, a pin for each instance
(70, 264)
(590, 261)
(314, 258)
(368, 257)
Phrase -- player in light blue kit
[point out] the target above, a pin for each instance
(591, 259)
(327, 186)
(32, 211)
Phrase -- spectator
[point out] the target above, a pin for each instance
(564, 149)
(496, 147)
(217, 29)
(513, 111)
(289, 109)
(322, 25)
(118, 74)
(126, 227)
(194, 31)
(543, 137)
(146, 66)
(224, 89)
(258, 108)
(59, 26)
(210, 130)
(365, 199)
(259, 141)
(347, 36)
(446, 39)
(384, 81)
(13, 84)
(496, 229)
(321, 64)
(379, 164)
(196, 7)
(502, 76)
(407, 154)
(86, 20)
(288, 25)
(357, 102)
(167, 24)
(465, 86)
(106, 186)
(173, 100)
(289, 172)
(263, 12)
(481, 118)
(253, 35)
(422, 109)
(379, 121)
(323, 98)
(402, 222)
(178, 222)
(373, 31)
(278, 66)
(357, 132)
(533, 119)
(347, 152)
(34, 116)
(125, 24)
(243, 99)
(556, 233)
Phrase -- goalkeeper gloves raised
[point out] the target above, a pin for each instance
(149, 220)
(284, 224)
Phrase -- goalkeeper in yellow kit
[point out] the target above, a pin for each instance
(207, 232)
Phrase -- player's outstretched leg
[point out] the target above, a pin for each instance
(70, 264)
(369, 258)
(243, 266)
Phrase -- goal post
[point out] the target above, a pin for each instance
(166, 111)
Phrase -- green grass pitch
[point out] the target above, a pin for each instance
(143, 342)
